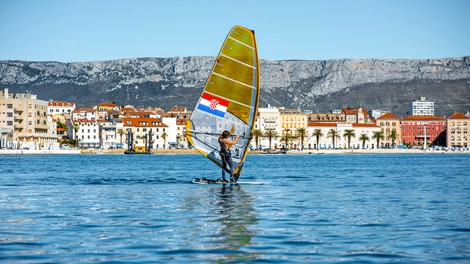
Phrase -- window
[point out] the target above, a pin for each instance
(9, 114)
(9, 123)
(9, 106)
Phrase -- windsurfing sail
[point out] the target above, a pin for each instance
(229, 100)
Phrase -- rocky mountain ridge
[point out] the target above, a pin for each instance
(309, 85)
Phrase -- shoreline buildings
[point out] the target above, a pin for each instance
(27, 122)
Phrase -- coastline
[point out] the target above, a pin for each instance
(193, 151)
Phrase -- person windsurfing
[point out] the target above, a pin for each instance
(225, 155)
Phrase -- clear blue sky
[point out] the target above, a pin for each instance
(92, 30)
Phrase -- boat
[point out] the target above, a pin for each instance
(229, 100)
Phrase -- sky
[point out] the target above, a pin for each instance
(95, 30)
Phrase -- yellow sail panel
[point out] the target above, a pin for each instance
(229, 100)
(241, 93)
(243, 35)
(239, 52)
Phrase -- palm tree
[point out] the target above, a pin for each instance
(75, 128)
(349, 133)
(363, 138)
(333, 134)
(257, 134)
(317, 133)
(286, 137)
(393, 136)
(164, 136)
(302, 133)
(378, 135)
(121, 132)
(270, 133)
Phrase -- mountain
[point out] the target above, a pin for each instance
(309, 85)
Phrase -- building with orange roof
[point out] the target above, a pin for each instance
(458, 127)
(84, 113)
(177, 111)
(142, 128)
(390, 126)
(60, 107)
(326, 141)
(356, 115)
(86, 131)
(423, 131)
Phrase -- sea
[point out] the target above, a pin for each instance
(345, 208)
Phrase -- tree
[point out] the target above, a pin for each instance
(393, 136)
(333, 134)
(286, 137)
(317, 133)
(301, 133)
(164, 136)
(270, 134)
(121, 132)
(75, 128)
(378, 135)
(257, 134)
(363, 138)
(349, 133)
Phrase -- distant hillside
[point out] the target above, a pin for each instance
(309, 85)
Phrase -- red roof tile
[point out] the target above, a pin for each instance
(458, 115)
(388, 116)
(142, 122)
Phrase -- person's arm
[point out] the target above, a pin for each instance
(234, 141)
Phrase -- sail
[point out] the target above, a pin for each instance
(229, 100)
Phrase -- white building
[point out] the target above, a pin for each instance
(268, 119)
(421, 107)
(60, 107)
(86, 131)
(109, 138)
(341, 142)
(84, 113)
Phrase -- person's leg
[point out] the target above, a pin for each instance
(224, 165)
(230, 164)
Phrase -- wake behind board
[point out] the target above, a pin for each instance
(218, 181)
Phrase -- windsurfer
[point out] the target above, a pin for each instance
(225, 155)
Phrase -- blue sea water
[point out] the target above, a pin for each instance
(317, 208)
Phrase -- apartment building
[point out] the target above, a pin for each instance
(422, 107)
(142, 127)
(458, 128)
(423, 130)
(60, 107)
(86, 131)
(325, 141)
(292, 120)
(27, 118)
(84, 113)
(390, 126)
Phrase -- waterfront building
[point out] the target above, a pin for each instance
(323, 141)
(341, 142)
(27, 118)
(109, 138)
(292, 120)
(142, 127)
(333, 116)
(389, 123)
(60, 107)
(268, 119)
(458, 128)
(171, 132)
(356, 115)
(422, 107)
(418, 130)
(180, 132)
(84, 113)
(86, 131)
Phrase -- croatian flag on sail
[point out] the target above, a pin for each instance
(213, 105)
